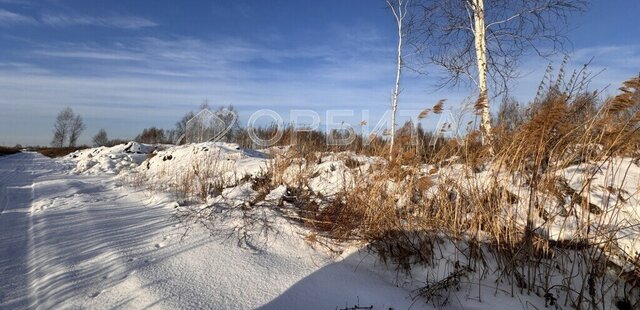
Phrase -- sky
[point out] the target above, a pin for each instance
(127, 65)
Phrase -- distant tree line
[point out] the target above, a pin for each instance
(155, 135)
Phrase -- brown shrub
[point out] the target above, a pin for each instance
(54, 152)
(8, 150)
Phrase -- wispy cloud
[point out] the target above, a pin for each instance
(235, 70)
(609, 65)
(246, 72)
(162, 77)
(124, 22)
(88, 54)
(11, 18)
(22, 68)
(623, 56)
(173, 75)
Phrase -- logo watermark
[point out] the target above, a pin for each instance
(207, 126)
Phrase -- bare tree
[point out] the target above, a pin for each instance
(229, 117)
(474, 41)
(101, 139)
(76, 128)
(68, 126)
(399, 8)
(61, 127)
(170, 136)
(58, 137)
(510, 114)
(181, 128)
(151, 135)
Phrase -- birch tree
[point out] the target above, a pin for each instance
(481, 41)
(479, 38)
(399, 8)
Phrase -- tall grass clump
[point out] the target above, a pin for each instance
(529, 214)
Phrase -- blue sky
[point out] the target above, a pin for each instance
(127, 65)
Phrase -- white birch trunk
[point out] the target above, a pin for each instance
(399, 15)
(481, 58)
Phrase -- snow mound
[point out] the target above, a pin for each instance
(110, 160)
(332, 173)
(216, 162)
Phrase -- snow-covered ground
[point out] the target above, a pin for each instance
(75, 233)
(72, 240)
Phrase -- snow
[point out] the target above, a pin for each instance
(614, 186)
(110, 159)
(95, 243)
(226, 163)
(330, 174)
(76, 233)
(611, 185)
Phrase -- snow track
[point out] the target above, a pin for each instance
(69, 240)
(17, 173)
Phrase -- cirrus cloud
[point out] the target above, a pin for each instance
(11, 18)
(124, 22)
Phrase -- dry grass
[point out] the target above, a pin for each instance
(491, 207)
(54, 152)
(401, 210)
(8, 150)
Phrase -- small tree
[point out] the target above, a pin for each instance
(511, 114)
(76, 128)
(229, 116)
(58, 137)
(171, 136)
(101, 139)
(151, 135)
(68, 126)
(399, 10)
